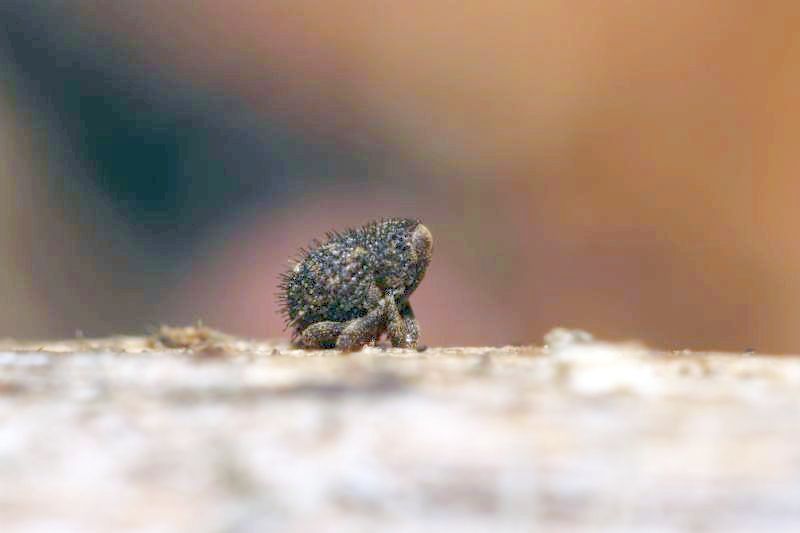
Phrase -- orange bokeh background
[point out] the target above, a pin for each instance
(621, 167)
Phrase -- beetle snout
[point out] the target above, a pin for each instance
(422, 241)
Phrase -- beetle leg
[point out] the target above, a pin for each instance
(397, 327)
(321, 335)
(411, 324)
(361, 331)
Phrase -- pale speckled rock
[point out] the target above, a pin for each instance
(231, 435)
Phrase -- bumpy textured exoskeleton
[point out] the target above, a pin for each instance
(354, 288)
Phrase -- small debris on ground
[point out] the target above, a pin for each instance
(559, 338)
(200, 340)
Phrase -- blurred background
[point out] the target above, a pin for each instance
(629, 168)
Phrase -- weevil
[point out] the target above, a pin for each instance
(353, 288)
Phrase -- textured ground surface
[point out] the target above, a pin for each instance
(192, 431)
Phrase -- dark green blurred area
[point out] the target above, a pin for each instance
(172, 158)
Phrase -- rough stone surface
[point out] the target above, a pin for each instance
(217, 434)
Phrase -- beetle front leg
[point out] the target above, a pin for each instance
(361, 331)
(411, 324)
(395, 325)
